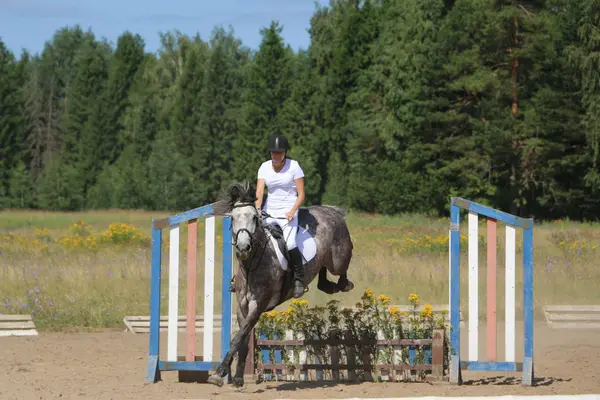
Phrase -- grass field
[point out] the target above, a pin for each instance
(89, 269)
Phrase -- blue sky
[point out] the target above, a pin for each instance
(30, 23)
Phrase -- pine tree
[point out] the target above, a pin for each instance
(77, 129)
(221, 116)
(268, 87)
(10, 120)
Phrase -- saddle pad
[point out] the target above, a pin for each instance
(306, 244)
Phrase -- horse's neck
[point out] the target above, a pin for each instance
(261, 239)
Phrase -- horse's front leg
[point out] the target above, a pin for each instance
(238, 379)
(242, 336)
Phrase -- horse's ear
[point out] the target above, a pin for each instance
(234, 193)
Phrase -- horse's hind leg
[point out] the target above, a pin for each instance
(341, 262)
(343, 284)
(324, 284)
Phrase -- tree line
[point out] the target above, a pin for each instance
(395, 106)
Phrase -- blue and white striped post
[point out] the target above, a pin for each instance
(511, 221)
(155, 364)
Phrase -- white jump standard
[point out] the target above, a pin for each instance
(512, 222)
(172, 363)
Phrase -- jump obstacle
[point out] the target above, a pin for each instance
(473, 363)
(207, 361)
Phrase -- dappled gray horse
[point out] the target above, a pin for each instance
(261, 283)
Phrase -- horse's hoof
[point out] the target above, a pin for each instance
(238, 382)
(345, 286)
(327, 287)
(215, 380)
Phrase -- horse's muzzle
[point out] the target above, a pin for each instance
(244, 255)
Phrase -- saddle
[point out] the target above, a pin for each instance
(277, 232)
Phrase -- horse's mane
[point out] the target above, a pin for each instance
(237, 191)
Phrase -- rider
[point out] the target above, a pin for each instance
(284, 179)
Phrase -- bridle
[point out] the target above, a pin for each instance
(236, 234)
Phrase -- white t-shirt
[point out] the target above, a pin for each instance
(282, 193)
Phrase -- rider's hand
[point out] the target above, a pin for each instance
(290, 215)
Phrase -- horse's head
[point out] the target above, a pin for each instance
(240, 204)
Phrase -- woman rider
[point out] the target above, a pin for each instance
(284, 179)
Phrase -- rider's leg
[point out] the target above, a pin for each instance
(289, 233)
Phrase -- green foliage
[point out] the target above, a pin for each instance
(372, 318)
(395, 106)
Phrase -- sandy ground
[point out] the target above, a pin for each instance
(112, 365)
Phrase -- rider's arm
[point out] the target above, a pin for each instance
(260, 190)
(301, 195)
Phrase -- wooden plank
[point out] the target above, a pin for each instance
(574, 325)
(510, 307)
(345, 342)
(334, 367)
(437, 353)
(574, 317)
(572, 308)
(19, 332)
(436, 308)
(15, 317)
(473, 254)
(491, 323)
(198, 324)
(182, 329)
(17, 325)
(191, 323)
(209, 285)
(173, 293)
(140, 324)
(217, 317)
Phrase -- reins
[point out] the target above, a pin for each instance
(263, 214)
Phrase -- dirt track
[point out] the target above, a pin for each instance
(112, 365)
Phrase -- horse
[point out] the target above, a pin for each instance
(261, 283)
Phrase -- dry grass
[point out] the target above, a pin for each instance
(91, 269)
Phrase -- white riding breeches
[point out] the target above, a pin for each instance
(290, 228)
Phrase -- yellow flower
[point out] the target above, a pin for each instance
(383, 299)
(299, 302)
(368, 293)
(394, 311)
(413, 299)
(427, 311)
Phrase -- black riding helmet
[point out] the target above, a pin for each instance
(278, 143)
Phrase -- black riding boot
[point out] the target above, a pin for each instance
(296, 264)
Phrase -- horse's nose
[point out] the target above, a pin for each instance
(244, 247)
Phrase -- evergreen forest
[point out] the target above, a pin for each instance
(394, 107)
